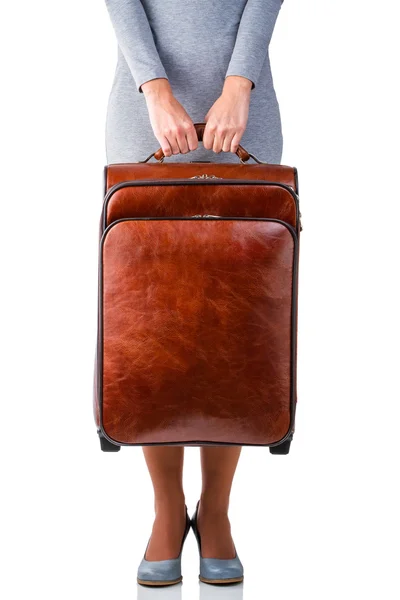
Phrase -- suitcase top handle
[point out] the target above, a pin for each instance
(243, 154)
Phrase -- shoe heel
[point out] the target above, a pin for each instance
(163, 572)
(217, 570)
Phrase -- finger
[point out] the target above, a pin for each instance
(191, 137)
(218, 141)
(236, 141)
(173, 143)
(166, 148)
(226, 146)
(208, 136)
(182, 141)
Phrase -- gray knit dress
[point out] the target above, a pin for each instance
(195, 44)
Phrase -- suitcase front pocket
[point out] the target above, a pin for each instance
(197, 327)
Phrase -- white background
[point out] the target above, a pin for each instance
(322, 522)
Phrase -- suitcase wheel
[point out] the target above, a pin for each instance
(282, 448)
(106, 445)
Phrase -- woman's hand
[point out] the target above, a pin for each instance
(226, 120)
(171, 124)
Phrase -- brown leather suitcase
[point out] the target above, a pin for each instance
(197, 308)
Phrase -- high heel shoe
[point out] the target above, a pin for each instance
(162, 572)
(217, 570)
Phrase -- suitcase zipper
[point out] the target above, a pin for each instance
(211, 181)
(199, 216)
(219, 216)
(189, 217)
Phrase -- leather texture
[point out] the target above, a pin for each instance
(116, 173)
(163, 571)
(197, 318)
(217, 569)
(185, 200)
(197, 345)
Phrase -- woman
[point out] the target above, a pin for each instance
(182, 62)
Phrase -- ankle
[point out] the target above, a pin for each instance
(212, 505)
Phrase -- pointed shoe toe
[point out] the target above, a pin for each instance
(163, 572)
(221, 570)
(159, 572)
(217, 570)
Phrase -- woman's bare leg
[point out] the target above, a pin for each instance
(218, 465)
(165, 464)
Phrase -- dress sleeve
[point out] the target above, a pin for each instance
(253, 37)
(135, 39)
